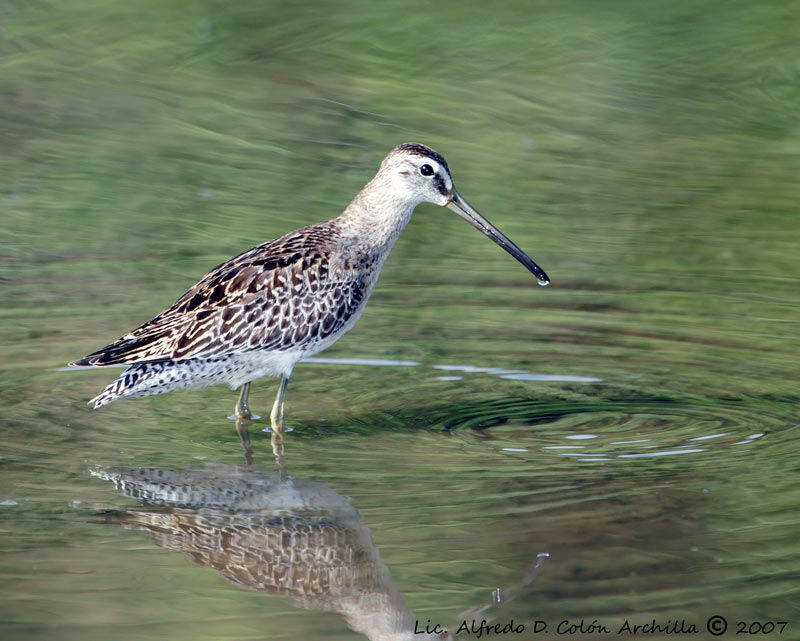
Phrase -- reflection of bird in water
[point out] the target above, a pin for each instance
(262, 311)
(291, 537)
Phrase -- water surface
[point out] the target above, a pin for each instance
(636, 421)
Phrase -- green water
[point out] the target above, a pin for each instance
(645, 154)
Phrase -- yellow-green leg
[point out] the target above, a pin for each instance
(276, 416)
(242, 411)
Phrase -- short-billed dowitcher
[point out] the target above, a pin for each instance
(262, 311)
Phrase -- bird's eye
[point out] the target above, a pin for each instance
(426, 170)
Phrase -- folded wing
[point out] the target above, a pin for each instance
(277, 296)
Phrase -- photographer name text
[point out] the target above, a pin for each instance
(715, 625)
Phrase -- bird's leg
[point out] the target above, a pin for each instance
(276, 417)
(242, 410)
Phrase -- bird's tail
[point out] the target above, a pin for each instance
(132, 382)
(110, 394)
(159, 377)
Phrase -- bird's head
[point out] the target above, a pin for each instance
(417, 174)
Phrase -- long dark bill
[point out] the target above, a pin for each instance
(468, 213)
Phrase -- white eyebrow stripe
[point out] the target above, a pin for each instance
(448, 182)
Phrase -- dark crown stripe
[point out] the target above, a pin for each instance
(422, 150)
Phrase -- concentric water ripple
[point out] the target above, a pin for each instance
(594, 429)
(628, 430)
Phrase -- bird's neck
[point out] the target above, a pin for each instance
(377, 215)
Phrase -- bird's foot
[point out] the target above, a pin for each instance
(244, 417)
(277, 429)
(242, 413)
(273, 430)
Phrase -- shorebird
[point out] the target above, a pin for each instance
(264, 310)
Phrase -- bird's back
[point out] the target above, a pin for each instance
(290, 293)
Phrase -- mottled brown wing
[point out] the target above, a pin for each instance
(276, 296)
